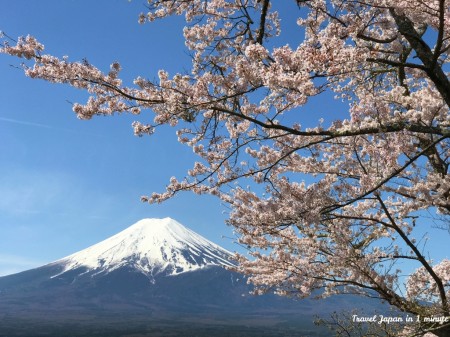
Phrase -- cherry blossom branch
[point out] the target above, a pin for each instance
(436, 74)
(420, 257)
(395, 173)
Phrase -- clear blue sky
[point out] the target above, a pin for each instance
(66, 184)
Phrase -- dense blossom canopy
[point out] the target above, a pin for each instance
(339, 200)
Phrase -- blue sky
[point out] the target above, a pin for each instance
(66, 184)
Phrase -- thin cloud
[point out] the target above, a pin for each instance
(16, 121)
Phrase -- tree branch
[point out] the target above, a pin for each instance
(262, 22)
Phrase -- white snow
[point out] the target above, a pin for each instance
(151, 246)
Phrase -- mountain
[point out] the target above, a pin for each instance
(155, 278)
(151, 247)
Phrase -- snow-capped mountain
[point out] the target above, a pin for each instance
(151, 246)
(156, 276)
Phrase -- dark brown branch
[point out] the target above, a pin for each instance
(396, 64)
(385, 180)
(262, 22)
(433, 70)
(440, 37)
(373, 39)
(420, 258)
(389, 128)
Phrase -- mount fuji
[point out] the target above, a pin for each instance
(151, 247)
(155, 278)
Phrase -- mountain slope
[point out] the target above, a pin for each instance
(155, 272)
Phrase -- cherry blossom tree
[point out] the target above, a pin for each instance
(333, 206)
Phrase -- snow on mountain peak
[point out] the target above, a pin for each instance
(151, 246)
